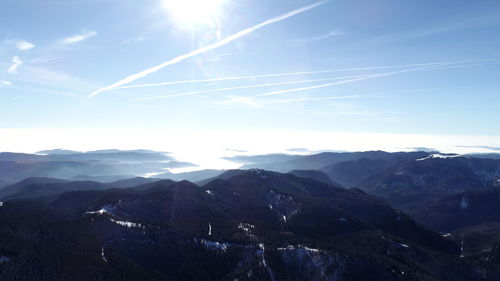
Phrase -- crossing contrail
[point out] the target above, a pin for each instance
(246, 87)
(243, 77)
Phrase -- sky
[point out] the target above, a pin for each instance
(249, 74)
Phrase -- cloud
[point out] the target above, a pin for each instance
(330, 34)
(79, 37)
(207, 48)
(24, 45)
(52, 82)
(16, 63)
(5, 83)
(480, 146)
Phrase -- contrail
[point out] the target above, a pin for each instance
(215, 45)
(277, 75)
(247, 87)
(233, 99)
(359, 79)
(218, 79)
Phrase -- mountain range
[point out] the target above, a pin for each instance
(331, 216)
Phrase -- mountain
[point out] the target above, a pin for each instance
(353, 172)
(464, 209)
(194, 176)
(110, 155)
(46, 188)
(415, 183)
(224, 176)
(254, 225)
(314, 175)
(286, 162)
(155, 186)
(471, 218)
(11, 156)
(105, 179)
(4, 183)
(85, 165)
(57, 151)
(22, 185)
(132, 182)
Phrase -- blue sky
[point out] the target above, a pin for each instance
(381, 66)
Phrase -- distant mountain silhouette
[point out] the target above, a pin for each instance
(105, 165)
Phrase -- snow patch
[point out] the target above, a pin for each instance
(438, 155)
(214, 245)
(247, 229)
(283, 205)
(259, 172)
(128, 224)
(103, 257)
(104, 210)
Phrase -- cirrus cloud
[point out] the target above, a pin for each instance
(24, 45)
(78, 37)
(16, 63)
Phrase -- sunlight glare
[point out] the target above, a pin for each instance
(194, 11)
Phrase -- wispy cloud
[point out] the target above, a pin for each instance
(134, 40)
(218, 90)
(24, 45)
(78, 37)
(328, 35)
(215, 45)
(16, 63)
(5, 83)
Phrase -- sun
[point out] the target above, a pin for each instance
(194, 11)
